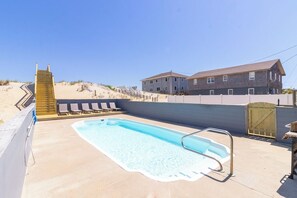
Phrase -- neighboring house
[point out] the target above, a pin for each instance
(167, 83)
(257, 78)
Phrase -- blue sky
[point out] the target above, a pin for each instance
(121, 42)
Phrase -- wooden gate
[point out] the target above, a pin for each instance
(262, 119)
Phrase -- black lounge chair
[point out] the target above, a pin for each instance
(104, 107)
(113, 107)
(74, 108)
(95, 107)
(63, 109)
(86, 108)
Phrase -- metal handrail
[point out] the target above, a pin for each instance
(29, 130)
(221, 131)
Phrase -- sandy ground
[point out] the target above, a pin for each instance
(9, 96)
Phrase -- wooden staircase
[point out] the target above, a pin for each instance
(44, 92)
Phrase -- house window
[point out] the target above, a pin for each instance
(158, 88)
(156, 80)
(165, 79)
(166, 88)
(225, 78)
(230, 91)
(275, 76)
(210, 80)
(270, 75)
(251, 91)
(144, 82)
(211, 92)
(195, 82)
(276, 91)
(182, 88)
(279, 78)
(151, 81)
(251, 75)
(174, 79)
(174, 88)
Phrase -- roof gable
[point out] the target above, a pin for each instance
(165, 74)
(241, 69)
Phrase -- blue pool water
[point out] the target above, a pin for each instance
(153, 151)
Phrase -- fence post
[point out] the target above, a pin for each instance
(294, 98)
(221, 98)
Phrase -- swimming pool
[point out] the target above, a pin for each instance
(153, 151)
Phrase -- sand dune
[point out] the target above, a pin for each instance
(83, 90)
(9, 96)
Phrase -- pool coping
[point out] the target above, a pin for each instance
(205, 170)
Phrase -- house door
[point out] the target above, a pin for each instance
(262, 119)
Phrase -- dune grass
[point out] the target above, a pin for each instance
(4, 82)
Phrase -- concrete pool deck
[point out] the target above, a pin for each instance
(68, 166)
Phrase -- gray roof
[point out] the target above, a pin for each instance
(164, 75)
(241, 69)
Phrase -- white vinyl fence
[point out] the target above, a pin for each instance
(285, 99)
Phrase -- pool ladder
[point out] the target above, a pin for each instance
(214, 130)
